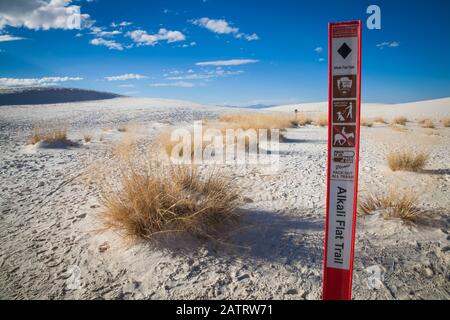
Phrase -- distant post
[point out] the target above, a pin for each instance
(296, 114)
(344, 105)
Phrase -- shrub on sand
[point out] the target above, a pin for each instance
(400, 204)
(379, 120)
(87, 138)
(407, 160)
(258, 121)
(427, 123)
(400, 121)
(366, 123)
(321, 121)
(50, 136)
(152, 198)
(446, 122)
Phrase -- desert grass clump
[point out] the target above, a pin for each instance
(379, 120)
(258, 121)
(303, 120)
(400, 204)
(400, 121)
(87, 138)
(150, 198)
(52, 136)
(427, 123)
(407, 160)
(366, 123)
(321, 121)
(446, 122)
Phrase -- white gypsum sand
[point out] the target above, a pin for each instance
(50, 247)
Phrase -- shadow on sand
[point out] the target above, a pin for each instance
(259, 235)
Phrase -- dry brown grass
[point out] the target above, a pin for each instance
(321, 121)
(303, 120)
(400, 121)
(379, 120)
(258, 121)
(446, 122)
(50, 136)
(366, 123)
(427, 123)
(149, 198)
(87, 137)
(407, 160)
(399, 203)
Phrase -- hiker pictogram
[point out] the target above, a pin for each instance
(344, 111)
(344, 136)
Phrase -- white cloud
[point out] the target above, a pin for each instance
(209, 74)
(318, 49)
(121, 24)
(216, 25)
(99, 32)
(42, 14)
(127, 86)
(321, 59)
(181, 84)
(221, 26)
(7, 37)
(141, 37)
(110, 44)
(232, 62)
(128, 76)
(388, 44)
(31, 82)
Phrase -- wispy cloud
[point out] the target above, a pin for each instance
(221, 26)
(232, 62)
(31, 82)
(318, 49)
(142, 38)
(388, 44)
(128, 76)
(7, 37)
(203, 75)
(121, 24)
(110, 44)
(181, 84)
(100, 32)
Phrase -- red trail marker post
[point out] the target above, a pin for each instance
(344, 106)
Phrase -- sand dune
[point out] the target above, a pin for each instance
(51, 247)
(434, 109)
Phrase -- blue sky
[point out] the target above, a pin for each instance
(224, 52)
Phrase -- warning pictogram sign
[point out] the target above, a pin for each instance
(343, 157)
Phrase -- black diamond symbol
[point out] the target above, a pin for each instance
(344, 50)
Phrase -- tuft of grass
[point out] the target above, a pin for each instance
(303, 120)
(50, 136)
(321, 121)
(407, 160)
(151, 198)
(259, 121)
(366, 123)
(379, 120)
(401, 204)
(87, 138)
(122, 129)
(400, 121)
(427, 123)
(446, 122)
